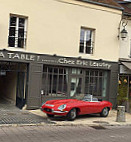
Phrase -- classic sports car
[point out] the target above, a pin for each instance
(73, 107)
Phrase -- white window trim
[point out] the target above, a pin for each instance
(92, 40)
(16, 31)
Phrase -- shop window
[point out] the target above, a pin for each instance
(63, 82)
(17, 32)
(55, 81)
(86, 41)
(96, 83)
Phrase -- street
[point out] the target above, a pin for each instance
(76, 133)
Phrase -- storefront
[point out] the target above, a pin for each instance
(42, 77)
(124, 91)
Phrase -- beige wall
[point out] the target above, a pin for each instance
(125, 45)
(54, 27)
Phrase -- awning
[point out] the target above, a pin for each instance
(127, 64)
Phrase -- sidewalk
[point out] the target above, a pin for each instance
(10, 115)
(87, 119)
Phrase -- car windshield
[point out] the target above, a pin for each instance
(89, 98)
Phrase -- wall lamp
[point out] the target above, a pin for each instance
(123, 33)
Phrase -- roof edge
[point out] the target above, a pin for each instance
(103, 4)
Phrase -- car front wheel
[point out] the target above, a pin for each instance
(72, 114)
(104, 112)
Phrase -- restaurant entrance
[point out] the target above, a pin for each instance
(13, 79)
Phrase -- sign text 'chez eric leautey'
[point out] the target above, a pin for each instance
(53, 60)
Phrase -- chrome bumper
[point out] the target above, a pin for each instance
(53, 111)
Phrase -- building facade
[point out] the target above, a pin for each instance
(125, 56)
(58, 49)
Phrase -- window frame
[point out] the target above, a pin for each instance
(16, 32)
(88, 46)
(94, 81)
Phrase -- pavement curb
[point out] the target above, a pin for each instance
(68, 124)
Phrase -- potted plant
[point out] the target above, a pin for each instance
(122, 98)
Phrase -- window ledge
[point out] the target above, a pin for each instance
(16, 49)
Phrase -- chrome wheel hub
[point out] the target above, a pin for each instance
(73, 113)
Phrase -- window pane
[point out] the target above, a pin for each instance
(54, 86)
(11, 42)
(44, 69)
(81, 50)
(60, 91)
(21, 42)
(88, 42)
(50, 70)
(21, 33)
(12, 21)
(82, 35)
(104, 86)
(87, 72)
(88, 50)
(96, 73)
(87, 85)
(88, 35)
(65, 84)
(92, 73)
(55, 70)
(61, 71)
(100, 73)
(21, 22)
(12, 31)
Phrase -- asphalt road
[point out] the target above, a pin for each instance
(50, 133)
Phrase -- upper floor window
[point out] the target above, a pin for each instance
(17, 32)
(86, 41)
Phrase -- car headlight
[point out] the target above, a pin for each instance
(62, 107)
(43, 103)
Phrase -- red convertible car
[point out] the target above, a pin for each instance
(73, 107)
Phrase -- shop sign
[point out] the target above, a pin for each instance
(84, 63)
(55, 60)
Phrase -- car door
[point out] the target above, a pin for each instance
(92, 107)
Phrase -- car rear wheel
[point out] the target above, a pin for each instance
(72, 114)
(104, 112)
(50, 115)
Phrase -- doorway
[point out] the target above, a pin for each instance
(13, 83)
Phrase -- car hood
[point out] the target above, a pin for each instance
(65, 101)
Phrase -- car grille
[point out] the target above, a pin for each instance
(48, 109)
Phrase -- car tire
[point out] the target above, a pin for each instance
(104, 112)
(50, 115)
(72, 114)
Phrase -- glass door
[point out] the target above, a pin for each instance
(75, 86)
